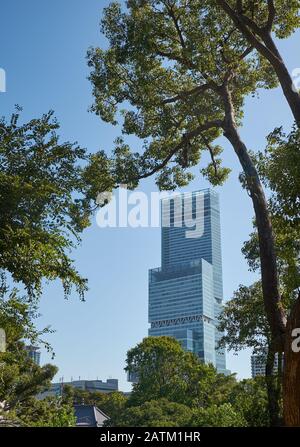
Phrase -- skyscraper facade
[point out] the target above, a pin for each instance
(186, 292)
(259, 362)
(34, 353)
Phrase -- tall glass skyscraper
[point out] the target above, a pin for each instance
(186, 292)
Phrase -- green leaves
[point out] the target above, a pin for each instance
(214, 416)
(49, 412)
(157, 413)
(48, 191)
(161, 78)
(165, 370)
(244, 320)
(279, 167)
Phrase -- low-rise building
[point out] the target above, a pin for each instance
(56, 389)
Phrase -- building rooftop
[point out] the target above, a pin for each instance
(89, 416)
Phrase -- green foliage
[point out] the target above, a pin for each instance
(49, 412)
(223, 416)
(162, 75)
(157, 413)
(113, 404)
(47, 190)
(286, 15)
(165, 370)
(279, 168)
(249, 398)
(243, 320)
(20, 377)
(176, 390)
(17, 318)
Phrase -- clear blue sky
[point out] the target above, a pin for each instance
(44, 45)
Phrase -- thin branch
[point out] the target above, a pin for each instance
(211, 152)
(186, 138)
(174, 57)
(185, 94)
(179, 32)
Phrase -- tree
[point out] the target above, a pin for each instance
(245, 323)
(165, 370)
(249, 398)
(179, 80)
(214, 416)
(48, 412)
(278, 168)
(47, 193)
(258, 22)
(243, 320)
(176, 389)
(20, 378)
(113, 404)
(157, 413)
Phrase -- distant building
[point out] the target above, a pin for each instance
(132, 377)
(2, 340)
(186, 292)
(87, 385)
(34, 353)
(258, 364)
(89, 416)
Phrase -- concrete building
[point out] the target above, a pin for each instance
(87, 385)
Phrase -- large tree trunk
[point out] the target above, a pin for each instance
(282, 333)
(291, 377)
(269, 276)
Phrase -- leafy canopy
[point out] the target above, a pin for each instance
(47, 193)
(165, 370)
(163, 76)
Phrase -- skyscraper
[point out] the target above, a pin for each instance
(34, 353)
(186, 292)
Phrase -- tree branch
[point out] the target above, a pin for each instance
(173, 57)
(240, 22)
(175, 21)
(187, 137)
(271, 16)
(185, 94)
(211, 152)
